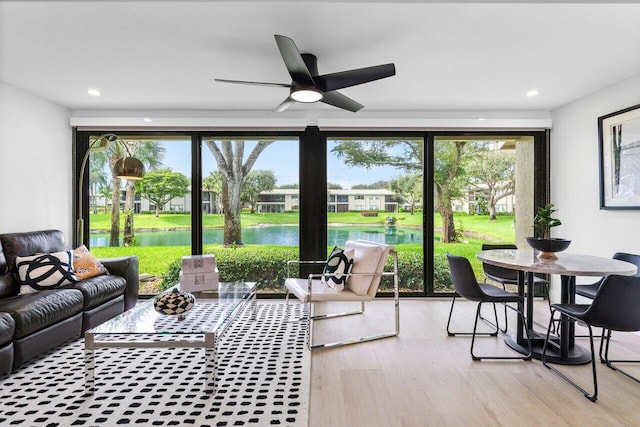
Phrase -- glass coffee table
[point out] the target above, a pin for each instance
(143, 327)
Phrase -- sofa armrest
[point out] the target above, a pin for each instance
(126, 267)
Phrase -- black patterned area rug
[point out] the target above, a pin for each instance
(264, 374)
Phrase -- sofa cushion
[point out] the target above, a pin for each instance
(33, 312)
(85, 265)
(7, 328)
(45, 271)
(99, 289)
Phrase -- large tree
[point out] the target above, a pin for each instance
(254, 183)
(493, 172)
(408, 155)
(150, 153)
(409, 188)
(160, 186)
(233, 167)
(448, 182)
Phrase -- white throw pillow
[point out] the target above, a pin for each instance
(45, 271)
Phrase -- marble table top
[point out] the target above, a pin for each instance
(568, 264)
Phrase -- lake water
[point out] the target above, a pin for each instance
(274, 235)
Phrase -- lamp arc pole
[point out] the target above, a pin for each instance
(125, 167)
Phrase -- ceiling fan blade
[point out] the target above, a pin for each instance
(293, 61)
(342, 79)
(285, 104)
(244, 82)
(341, 101)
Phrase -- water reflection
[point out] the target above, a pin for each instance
(274, 235)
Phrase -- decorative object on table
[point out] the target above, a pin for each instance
(199, 273)
(619, 155)
(175, 302)
(542, 223)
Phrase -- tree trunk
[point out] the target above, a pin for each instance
(128, 238)
(232, 208)
(114, 235)
(446, 213)
(492, 212)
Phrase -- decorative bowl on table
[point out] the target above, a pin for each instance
(175, 302)
(548, 247)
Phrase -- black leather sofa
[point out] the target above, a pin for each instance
(31, 324)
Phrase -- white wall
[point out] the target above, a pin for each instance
(575, 176)
(35, 163)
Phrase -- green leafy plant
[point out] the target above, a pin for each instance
(544, 221)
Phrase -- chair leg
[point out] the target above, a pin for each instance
(520, 311)
(506, 319)
(395, 332)
(607, 337)
(453, 334)
(591, 396)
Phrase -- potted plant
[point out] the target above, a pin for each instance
(542, 223)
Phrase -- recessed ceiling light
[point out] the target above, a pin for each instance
(147, 120)
(93, 92)
(533, 92)
(481, 119)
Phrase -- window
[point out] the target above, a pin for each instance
(144, 210)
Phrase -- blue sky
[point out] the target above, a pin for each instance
(282, 158)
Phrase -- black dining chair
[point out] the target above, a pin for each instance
(507, 276)
(614, 308)
(466, 285)
(590, 290)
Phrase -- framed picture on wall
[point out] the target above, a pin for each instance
(619, 135)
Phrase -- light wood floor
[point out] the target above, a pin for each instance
(425, 378)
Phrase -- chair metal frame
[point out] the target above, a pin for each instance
(482, 297)
(311, 317)
(582, 313)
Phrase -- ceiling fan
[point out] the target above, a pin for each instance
(307, 86)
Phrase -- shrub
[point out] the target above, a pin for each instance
(269, 269)
(253, 264)
(369, 213)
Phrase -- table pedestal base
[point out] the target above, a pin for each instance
(577, 355)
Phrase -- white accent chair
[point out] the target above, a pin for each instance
(362, 285)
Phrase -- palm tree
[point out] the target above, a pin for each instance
(150, 153)
(97, 179)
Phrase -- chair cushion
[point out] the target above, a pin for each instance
(99, 289)
(366, 259)
(320, 291)
(337, 267)
(33, 312)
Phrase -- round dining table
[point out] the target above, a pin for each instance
(568, 265)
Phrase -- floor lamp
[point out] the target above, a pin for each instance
(125, 168)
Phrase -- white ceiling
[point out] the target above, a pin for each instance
(475, 56)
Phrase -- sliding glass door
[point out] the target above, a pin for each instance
(375, 192)
(483, 193)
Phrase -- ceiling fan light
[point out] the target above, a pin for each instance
(129, 168)
(306, 95)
